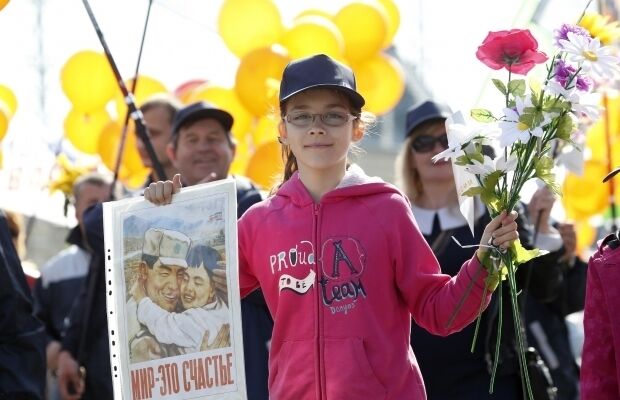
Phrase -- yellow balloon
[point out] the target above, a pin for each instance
(381, 81)
(8, 97)
(131, 171)
(245, 25)
(266, 165)
(257, 82)
(393, 21)
(586, 235)
(585, 196)
(266, 130)
(364, 27)
(313, 12)
(4, 119)
(145, 88)
(3, 3)
(83, 129)
(242, 157)
(228, 100)
(88, 81)
(312, 35)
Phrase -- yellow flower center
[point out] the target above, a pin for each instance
(522, 126)
(590, 56)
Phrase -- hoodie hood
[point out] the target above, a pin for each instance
(354, 183)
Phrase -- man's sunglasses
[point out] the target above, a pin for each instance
(426, 143)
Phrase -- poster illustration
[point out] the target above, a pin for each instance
(174, 315)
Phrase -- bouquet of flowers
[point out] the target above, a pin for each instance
(537, 118)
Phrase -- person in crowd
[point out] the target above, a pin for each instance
(202, 148)
(15, 223)
(600, 360)
(22, 336)
(158, 112)
(449, 368)
(546, 321)
(339, 257)
(62, 276)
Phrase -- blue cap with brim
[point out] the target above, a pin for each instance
(201, 110)
(319, 71)
(425, 111)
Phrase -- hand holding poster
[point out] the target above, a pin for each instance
(174, 333)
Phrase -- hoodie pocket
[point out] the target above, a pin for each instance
(292, 372)
(348, 373)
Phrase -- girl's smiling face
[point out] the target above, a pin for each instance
(196, 288)
(323, 144)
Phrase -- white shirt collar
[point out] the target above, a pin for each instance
(449, 217)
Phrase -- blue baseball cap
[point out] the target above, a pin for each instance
(319, 71)
(198, 111)
(423, 112)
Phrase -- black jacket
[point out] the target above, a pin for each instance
(22, 337)
(449, 370)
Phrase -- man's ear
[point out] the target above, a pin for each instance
(172, 155)
(142, 270)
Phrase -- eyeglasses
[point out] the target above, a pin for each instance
(426, 143)
(329, 118)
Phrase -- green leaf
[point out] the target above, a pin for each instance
(473, 191)
(521, 255)
(462, 160)
(565, 127)
(500, 86)
(478, 156)
(492, 179)
(517, 87)
(482, 115)
(543, 170)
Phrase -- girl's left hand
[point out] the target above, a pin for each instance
(500, 232)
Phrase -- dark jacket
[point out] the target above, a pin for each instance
(55, 291)
(449, 369)
(548, 332)
(22, 337)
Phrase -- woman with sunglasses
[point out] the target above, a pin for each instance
(449, 369)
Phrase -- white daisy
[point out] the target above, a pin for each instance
(591, 55)
(461, 138)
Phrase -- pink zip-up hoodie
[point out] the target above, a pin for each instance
(342, 279)
(600, 358)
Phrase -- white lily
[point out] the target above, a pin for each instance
(461, 137)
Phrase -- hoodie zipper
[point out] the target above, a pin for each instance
(319, 348)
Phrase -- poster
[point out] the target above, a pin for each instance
(174, 317)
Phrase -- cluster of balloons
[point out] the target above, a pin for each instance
(357, 35)
(585, 196)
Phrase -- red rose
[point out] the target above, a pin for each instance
(516, 50)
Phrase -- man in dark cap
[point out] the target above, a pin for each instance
(202, 149)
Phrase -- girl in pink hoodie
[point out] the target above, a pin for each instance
(339, 256)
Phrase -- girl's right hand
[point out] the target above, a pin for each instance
(161, 192)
